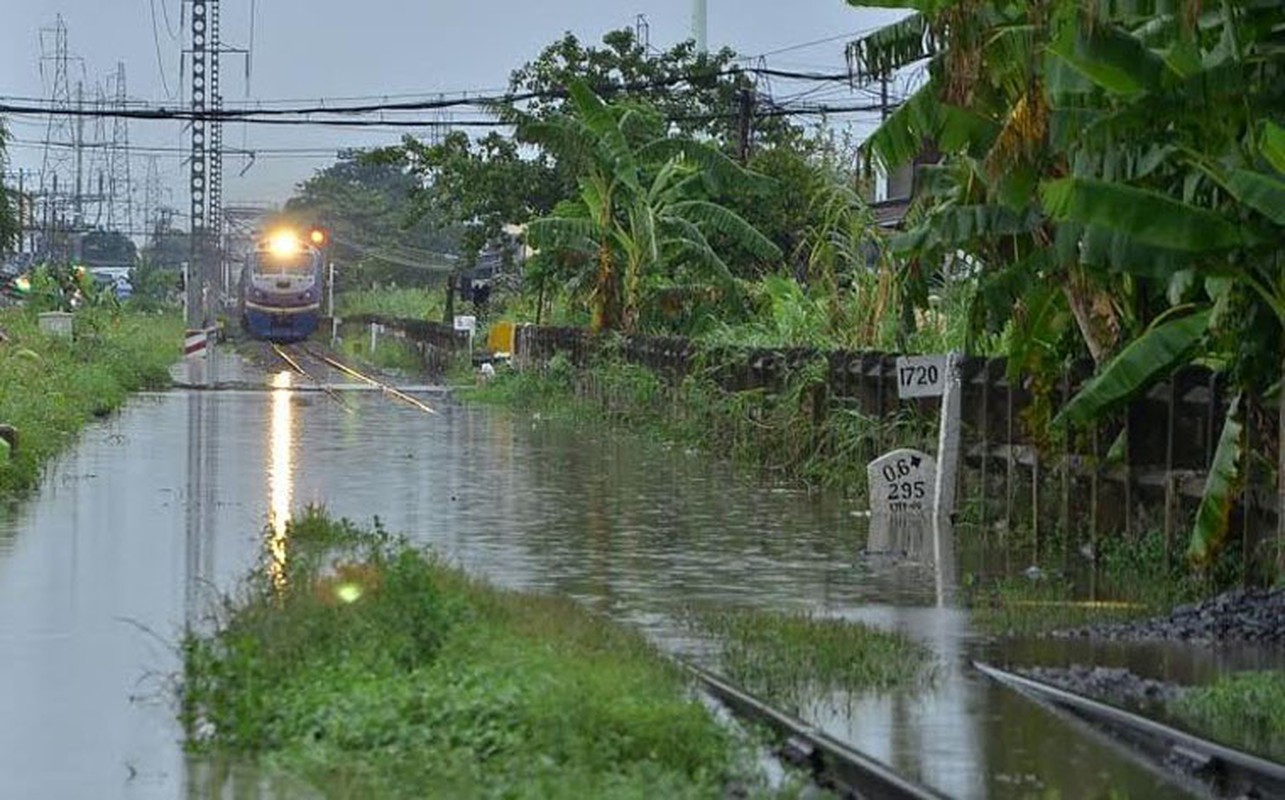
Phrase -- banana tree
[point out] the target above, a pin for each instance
(1141, 147)
(641, 214)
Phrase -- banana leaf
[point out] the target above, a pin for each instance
(1111, 58)
(1264, 194)
(1149, 217)
(1273, 146)
(890, 48)
(1151, 355)
(1221, 488)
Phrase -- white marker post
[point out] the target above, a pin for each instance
(467, 323)
(892, 474)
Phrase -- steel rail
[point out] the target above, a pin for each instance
(834, 764)
(1231, 771)
(384, 387)
(297, 367)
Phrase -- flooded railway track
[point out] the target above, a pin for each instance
(833, 764)
(300, 357)
(1227, 771)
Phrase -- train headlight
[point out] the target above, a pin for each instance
(284, 243)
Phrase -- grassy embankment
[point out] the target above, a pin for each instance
(50, 388)
(369, 668)
(1245, 710)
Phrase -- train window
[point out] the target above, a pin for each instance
(268, 263)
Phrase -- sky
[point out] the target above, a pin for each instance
(317, 49)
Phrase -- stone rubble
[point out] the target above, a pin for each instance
(1253, 616)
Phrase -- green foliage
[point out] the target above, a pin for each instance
(1135, 579)
(636, 224)
(694, 89)
(10, 226)
(1149, 357)
(380, 232)
(155, 288)
(791, 432)
(790, 659)
(50, 388)
(373, 669)
(1118, 150)
(1244, 710)
(1222, 485)
(390, 353)
(404, 303)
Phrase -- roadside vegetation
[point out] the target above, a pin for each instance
(1244, 709)
(402, 303)
(51, 387)
(370, 668)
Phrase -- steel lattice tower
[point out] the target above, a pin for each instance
(57, 166)
(120, 189)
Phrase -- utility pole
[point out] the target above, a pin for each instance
(197, 278)
(215, 155)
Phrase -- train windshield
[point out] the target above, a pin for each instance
(298, 263)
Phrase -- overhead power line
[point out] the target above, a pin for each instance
(153, 111)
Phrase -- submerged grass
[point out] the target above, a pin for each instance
(50, 387)
(1133, 580)
(372, 669)
(791, 659)
(1245, 710)
(793, 434)
(1021, 606)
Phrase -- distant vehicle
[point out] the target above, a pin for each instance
(99, 250)
(280, 289)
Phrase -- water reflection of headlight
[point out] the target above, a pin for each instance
(280, 477)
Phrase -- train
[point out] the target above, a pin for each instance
(281, 285)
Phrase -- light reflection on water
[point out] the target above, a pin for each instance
(280, 476)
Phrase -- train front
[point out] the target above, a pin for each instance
(281, 288)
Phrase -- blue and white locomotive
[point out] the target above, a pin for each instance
(281, 286)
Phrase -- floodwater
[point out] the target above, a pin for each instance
(136, 531)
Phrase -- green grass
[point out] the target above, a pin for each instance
(1245, 710)
(1133, 581)
(371, 669)
(788, 659)
(414, 303)
(390, 353)
(1018, 606)
(50, 388)
(793, 435)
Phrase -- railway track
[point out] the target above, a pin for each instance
(834, 765)
(1227, 771)
(296, 355)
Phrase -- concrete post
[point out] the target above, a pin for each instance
(948, 439)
